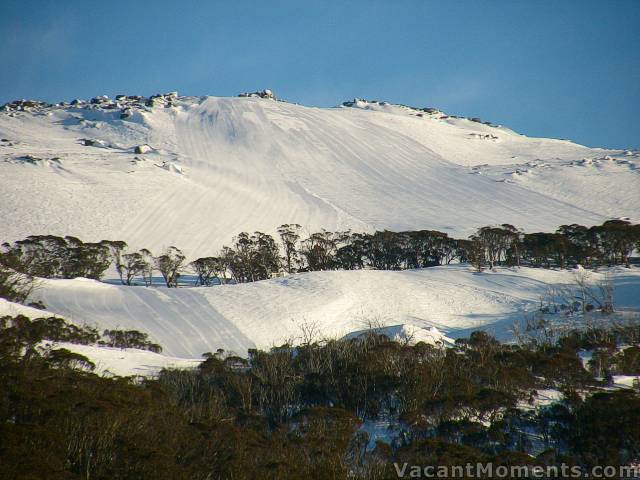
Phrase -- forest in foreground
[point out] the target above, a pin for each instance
(303, 412)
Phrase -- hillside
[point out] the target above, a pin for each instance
(190, 321)
(208, 168)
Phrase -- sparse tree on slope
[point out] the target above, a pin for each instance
(267, 256)
(147, 271)
(116, 248)
(207, 269)
(169, 265)
(475, 252)
(289, 236)
(132, 265)
(319, 250)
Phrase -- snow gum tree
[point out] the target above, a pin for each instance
(207, 269)
(132, 265)
(117, 247)
(169, 264)
(289, 236)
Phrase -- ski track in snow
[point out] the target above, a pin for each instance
(252, 164)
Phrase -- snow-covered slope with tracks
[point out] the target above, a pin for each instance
(218, 166)
(187, 322)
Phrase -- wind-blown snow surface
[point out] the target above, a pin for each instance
(218, 166)
(190, 321)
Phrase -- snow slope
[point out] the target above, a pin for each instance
(125, 362)
(219, 166)
(190, 321)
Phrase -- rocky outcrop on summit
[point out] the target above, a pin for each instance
(259, 94)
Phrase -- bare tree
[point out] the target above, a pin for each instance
(600, 292)
(147, 271)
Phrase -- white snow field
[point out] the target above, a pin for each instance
(125, 362)
(209, 168)
(188, 322)
(195, 171)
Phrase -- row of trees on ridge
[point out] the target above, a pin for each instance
(259, 256)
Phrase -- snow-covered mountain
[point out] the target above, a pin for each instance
(195, 171)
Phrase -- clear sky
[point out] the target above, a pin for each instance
(559, 68)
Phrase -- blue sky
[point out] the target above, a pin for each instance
(564, 69)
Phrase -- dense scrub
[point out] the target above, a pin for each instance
(297, 412)
(56, 329)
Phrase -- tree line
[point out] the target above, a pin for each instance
(259, 256)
